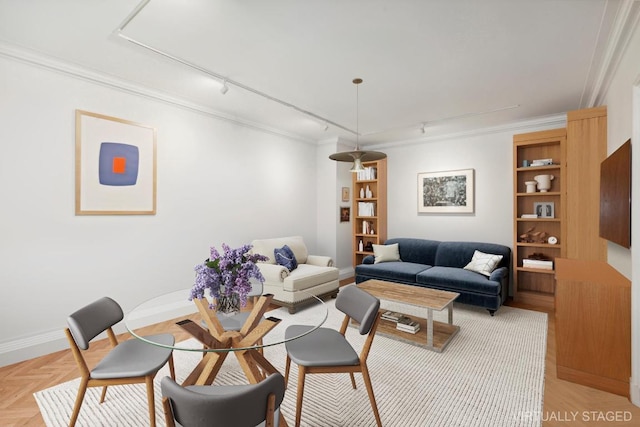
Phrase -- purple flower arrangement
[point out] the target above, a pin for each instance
(227, 274)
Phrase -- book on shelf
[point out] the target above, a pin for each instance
(409, 330)
(529, 216)
(391, 316)
(369, 173)
(537, 263)
(366, 209)
(406, 324)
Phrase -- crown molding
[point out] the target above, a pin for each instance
(40, 60)
(536, 123)
(625, 23)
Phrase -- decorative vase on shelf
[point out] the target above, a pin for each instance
(368, 193)
(362, 193)
(531, 186)
(360, 246)
(544, 182)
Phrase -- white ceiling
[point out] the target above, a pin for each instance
(452, 64)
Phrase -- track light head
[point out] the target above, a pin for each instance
(224, 89)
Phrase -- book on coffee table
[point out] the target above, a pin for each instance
(391, 316)
(406, 324)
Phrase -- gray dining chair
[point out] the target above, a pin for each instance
(247, 405)
(128, 362)
(327, 350)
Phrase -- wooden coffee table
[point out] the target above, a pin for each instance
(438, 334)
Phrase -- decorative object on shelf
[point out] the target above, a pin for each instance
(446, 192)
(533, 237)
(531, 186)
(544, 209)
(357, 156)
(541, 162)
(360, 246)
(227, 277)
(552, 240)
(362, 193)
(544, 182)
(368, 193)
(538, 260)
(525, 163)
(368, 247)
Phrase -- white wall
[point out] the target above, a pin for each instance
(623, 116)
(217, 182)
(489, 153)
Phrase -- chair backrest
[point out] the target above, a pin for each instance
(93, 319)
(359, 305)
(238, 406)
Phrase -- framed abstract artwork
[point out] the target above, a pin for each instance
(446, 192)
(115, 166)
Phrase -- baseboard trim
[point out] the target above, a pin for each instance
(27, 348)
(610, 385)
(634, 392)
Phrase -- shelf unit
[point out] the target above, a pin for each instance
(378, 200)
(534, 285)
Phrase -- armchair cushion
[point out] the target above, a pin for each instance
(284, 256)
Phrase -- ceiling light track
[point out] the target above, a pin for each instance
(223, 79)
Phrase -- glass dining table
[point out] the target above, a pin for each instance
(246, 341)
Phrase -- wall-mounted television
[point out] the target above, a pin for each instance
(615, 196)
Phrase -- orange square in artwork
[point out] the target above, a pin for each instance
(119, 164)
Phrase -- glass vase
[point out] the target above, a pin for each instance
(228, 305)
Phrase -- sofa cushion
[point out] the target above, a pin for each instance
(393, 270)
(419, 251)
(307, 276)
(386, 253)
(458, 254)
(266, 246)
(284, 256)
(458, 279)
(483, 263)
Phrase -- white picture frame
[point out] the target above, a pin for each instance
(115, 166)
(446, 192)
(544, 209)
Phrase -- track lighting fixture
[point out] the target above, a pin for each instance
(357, 156)
(224, 89)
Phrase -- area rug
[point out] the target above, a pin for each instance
(491, 374)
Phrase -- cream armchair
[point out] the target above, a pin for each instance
(314, 275)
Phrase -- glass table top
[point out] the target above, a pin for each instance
(177, 306)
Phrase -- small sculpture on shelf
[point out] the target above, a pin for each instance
(534, 237)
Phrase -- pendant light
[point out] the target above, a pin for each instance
(357, 156)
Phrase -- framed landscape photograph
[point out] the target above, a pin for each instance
(115, 166)
(446, 192)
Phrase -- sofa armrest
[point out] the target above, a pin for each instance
(319, 260)
(499, 274)
(369, 259)
(273, 273)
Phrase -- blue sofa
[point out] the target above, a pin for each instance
(440, 265)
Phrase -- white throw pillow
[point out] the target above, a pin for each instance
(385, 253)
(483, 263)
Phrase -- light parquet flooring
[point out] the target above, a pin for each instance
(565, 404)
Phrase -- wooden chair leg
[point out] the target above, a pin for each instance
(301, 374)
(353, 380)
(271, 409)
(103, 395)
(168, 412)
(151, 401)
(372, 398)
(82, 389)
(286, 372)
(172, 369)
